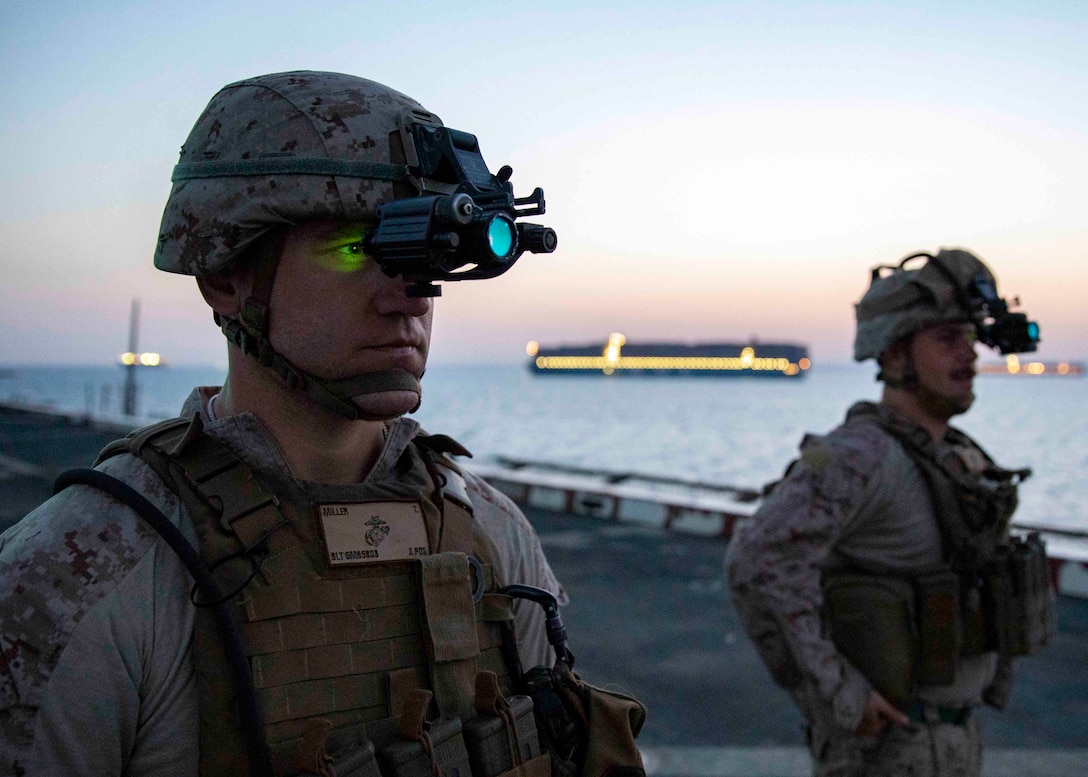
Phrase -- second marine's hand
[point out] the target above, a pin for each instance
(879, 713)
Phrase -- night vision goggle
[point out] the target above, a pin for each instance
(462, 225)
(994, 324)
(467, 233)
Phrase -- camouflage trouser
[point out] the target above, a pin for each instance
(917, 750)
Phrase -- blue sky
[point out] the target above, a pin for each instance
(714, 170)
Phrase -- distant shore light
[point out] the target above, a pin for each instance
(149, 359)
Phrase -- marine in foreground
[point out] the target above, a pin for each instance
(878, 579)
(353, 586)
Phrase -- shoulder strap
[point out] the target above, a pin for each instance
(460, 533)
(207, 476)
(457, 534)
(232, 642)
(458, 516)
(135, 441)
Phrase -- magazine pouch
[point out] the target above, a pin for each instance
(1032, 605)
(502, 739)
(425, 748)
(322, 752)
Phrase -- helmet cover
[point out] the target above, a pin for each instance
(906, 300)
(268, 120)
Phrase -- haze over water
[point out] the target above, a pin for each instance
(735, 431)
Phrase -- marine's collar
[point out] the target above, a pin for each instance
(248, 438)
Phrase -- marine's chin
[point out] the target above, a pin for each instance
(962, 404)
(386, 405)
(954, 404)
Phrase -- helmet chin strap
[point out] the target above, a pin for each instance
(337, 396)
(907, 380)
(373, 383)
(250, 332)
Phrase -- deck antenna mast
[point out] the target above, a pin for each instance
(129, 407)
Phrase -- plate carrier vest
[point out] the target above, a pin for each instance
(992, 593)
(346, 644)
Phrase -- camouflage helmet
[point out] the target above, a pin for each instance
(277, 150)
(902, 301)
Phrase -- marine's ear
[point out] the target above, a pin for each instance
(895, 365)
(251, 275)
(225, 291)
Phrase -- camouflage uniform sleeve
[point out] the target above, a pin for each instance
(521, 560)
(96, 674)
(773, 565)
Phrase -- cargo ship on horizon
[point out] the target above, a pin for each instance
(1014, 366)
(619, 357)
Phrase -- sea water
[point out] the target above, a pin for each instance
(727, 431)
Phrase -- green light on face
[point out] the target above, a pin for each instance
(1033, 331)
(344, 254)
(500, 237)
(349, 258)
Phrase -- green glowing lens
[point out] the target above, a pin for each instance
(1033, 331)
(500, 237)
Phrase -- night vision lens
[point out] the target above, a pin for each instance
(501, 236)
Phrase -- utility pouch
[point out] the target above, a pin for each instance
(585, 730)
(1033, 623)
(425, 748)
(939, 637)
(871, 621)
(998, 607)
(610, 722)
(502, 740)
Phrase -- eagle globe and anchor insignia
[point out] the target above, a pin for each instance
(377, 531)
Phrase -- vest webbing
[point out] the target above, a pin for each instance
(347, 644)
(972, 509)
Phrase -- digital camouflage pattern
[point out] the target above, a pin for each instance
(65, 570)
(854, 498)
(774, 561)
(917, 750)
(208, 222)
(899, 304)
(61, 570)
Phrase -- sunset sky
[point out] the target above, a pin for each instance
(714, 170)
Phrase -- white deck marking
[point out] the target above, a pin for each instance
(795, 762)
